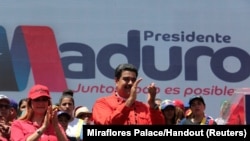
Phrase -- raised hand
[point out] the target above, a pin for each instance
(54, 118)
(151, 95)
(133, 95)
(47, 118)
(4, 130)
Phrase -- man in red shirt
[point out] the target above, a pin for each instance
(122, 107)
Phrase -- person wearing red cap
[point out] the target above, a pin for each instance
(179, 103)
(179, 110)
(40, 122)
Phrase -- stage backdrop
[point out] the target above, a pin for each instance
(187, 48)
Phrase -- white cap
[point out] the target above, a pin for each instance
(4, 97)
(81, 109)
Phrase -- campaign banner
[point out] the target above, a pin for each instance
(185, 49)
(247, 109)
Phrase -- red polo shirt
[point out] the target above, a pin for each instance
(22, 129)
(112, 110)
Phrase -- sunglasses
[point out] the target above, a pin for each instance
(40, 99)
(4, 106)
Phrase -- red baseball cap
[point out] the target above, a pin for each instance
(179, 103)
(38, 91)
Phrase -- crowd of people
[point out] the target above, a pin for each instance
(37, 118)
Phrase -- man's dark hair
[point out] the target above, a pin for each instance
(125, 67)
(68, 92)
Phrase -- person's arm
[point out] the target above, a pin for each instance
(60, 133)
(133, 95)
(106, 111)
(151, 96)
(38, 133)
(3, 139)
(156, 115)
(17, 133)
(5, 130)
(105, 114)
